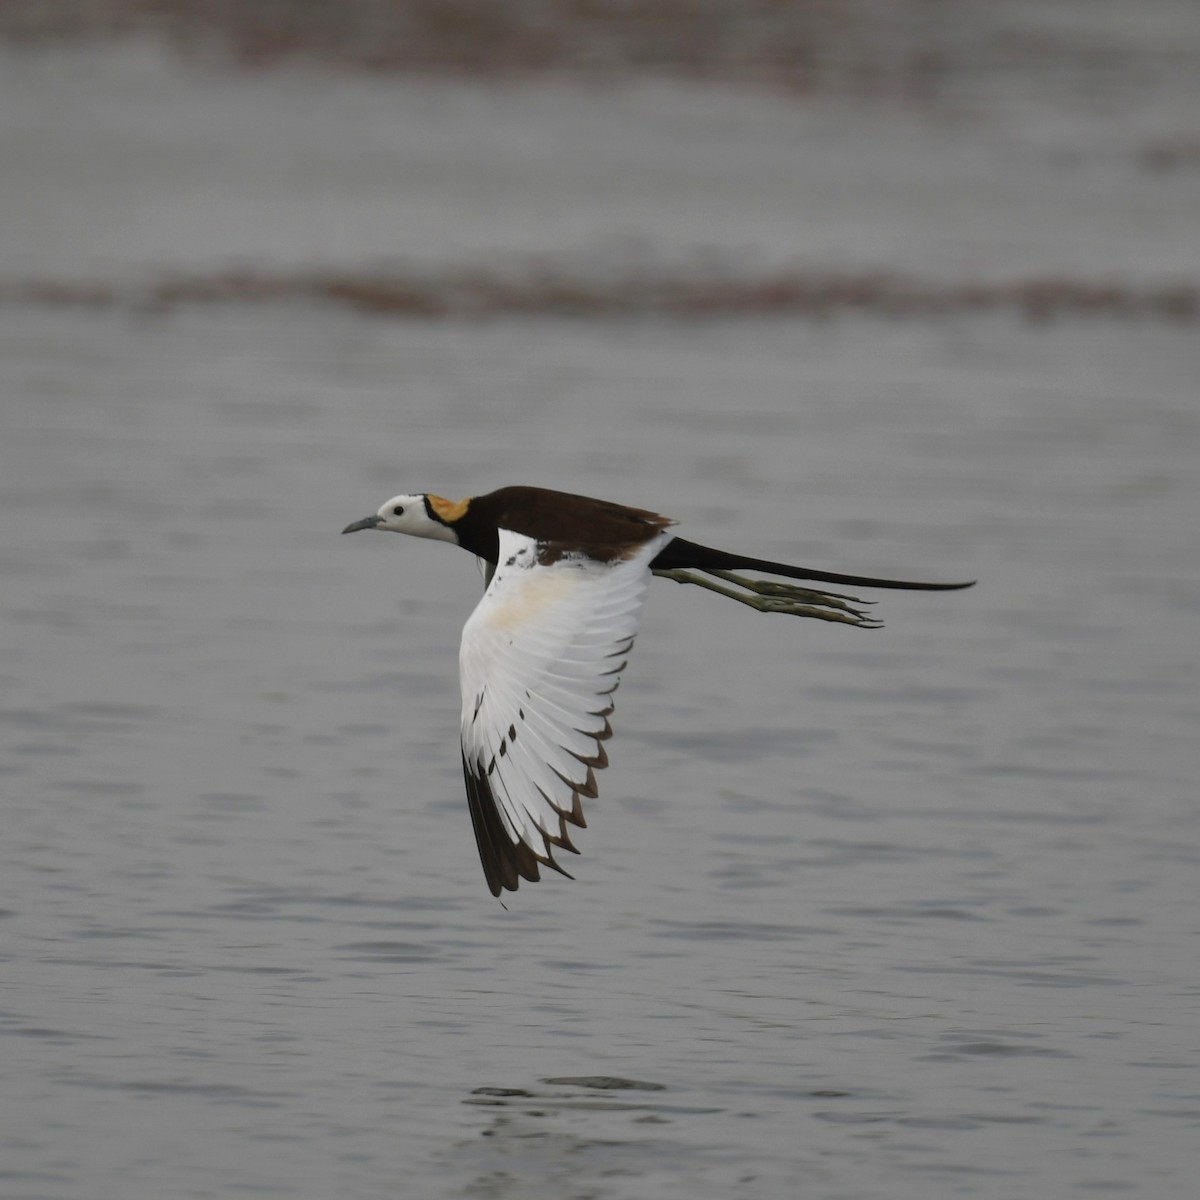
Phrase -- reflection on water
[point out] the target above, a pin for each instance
(569, 1136)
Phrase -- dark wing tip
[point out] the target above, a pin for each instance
(505, 862)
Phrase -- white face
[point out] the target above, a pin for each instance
(408, 514)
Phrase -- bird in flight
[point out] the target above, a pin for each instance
(542, 653)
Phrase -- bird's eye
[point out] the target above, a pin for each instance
(398, 511)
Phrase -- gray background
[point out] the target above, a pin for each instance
(899, 914)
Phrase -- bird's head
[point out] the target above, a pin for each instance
(424, 516)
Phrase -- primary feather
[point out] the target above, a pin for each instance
(541, 656)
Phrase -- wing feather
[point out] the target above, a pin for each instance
(541, 656)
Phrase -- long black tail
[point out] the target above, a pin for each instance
(679, 554)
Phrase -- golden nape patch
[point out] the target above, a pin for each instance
(449, 510)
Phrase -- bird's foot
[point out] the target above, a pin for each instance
(770, 595)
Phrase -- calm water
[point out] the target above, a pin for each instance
(908, 913)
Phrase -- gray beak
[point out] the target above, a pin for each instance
(365, 523)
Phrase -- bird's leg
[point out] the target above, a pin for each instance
(769, 595)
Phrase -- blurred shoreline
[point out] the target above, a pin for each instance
(925, 51)
(437, 160)
(545, 291)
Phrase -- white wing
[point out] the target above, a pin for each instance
(540, 659)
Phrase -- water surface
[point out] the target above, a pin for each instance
(904, 913)
(908, 910)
